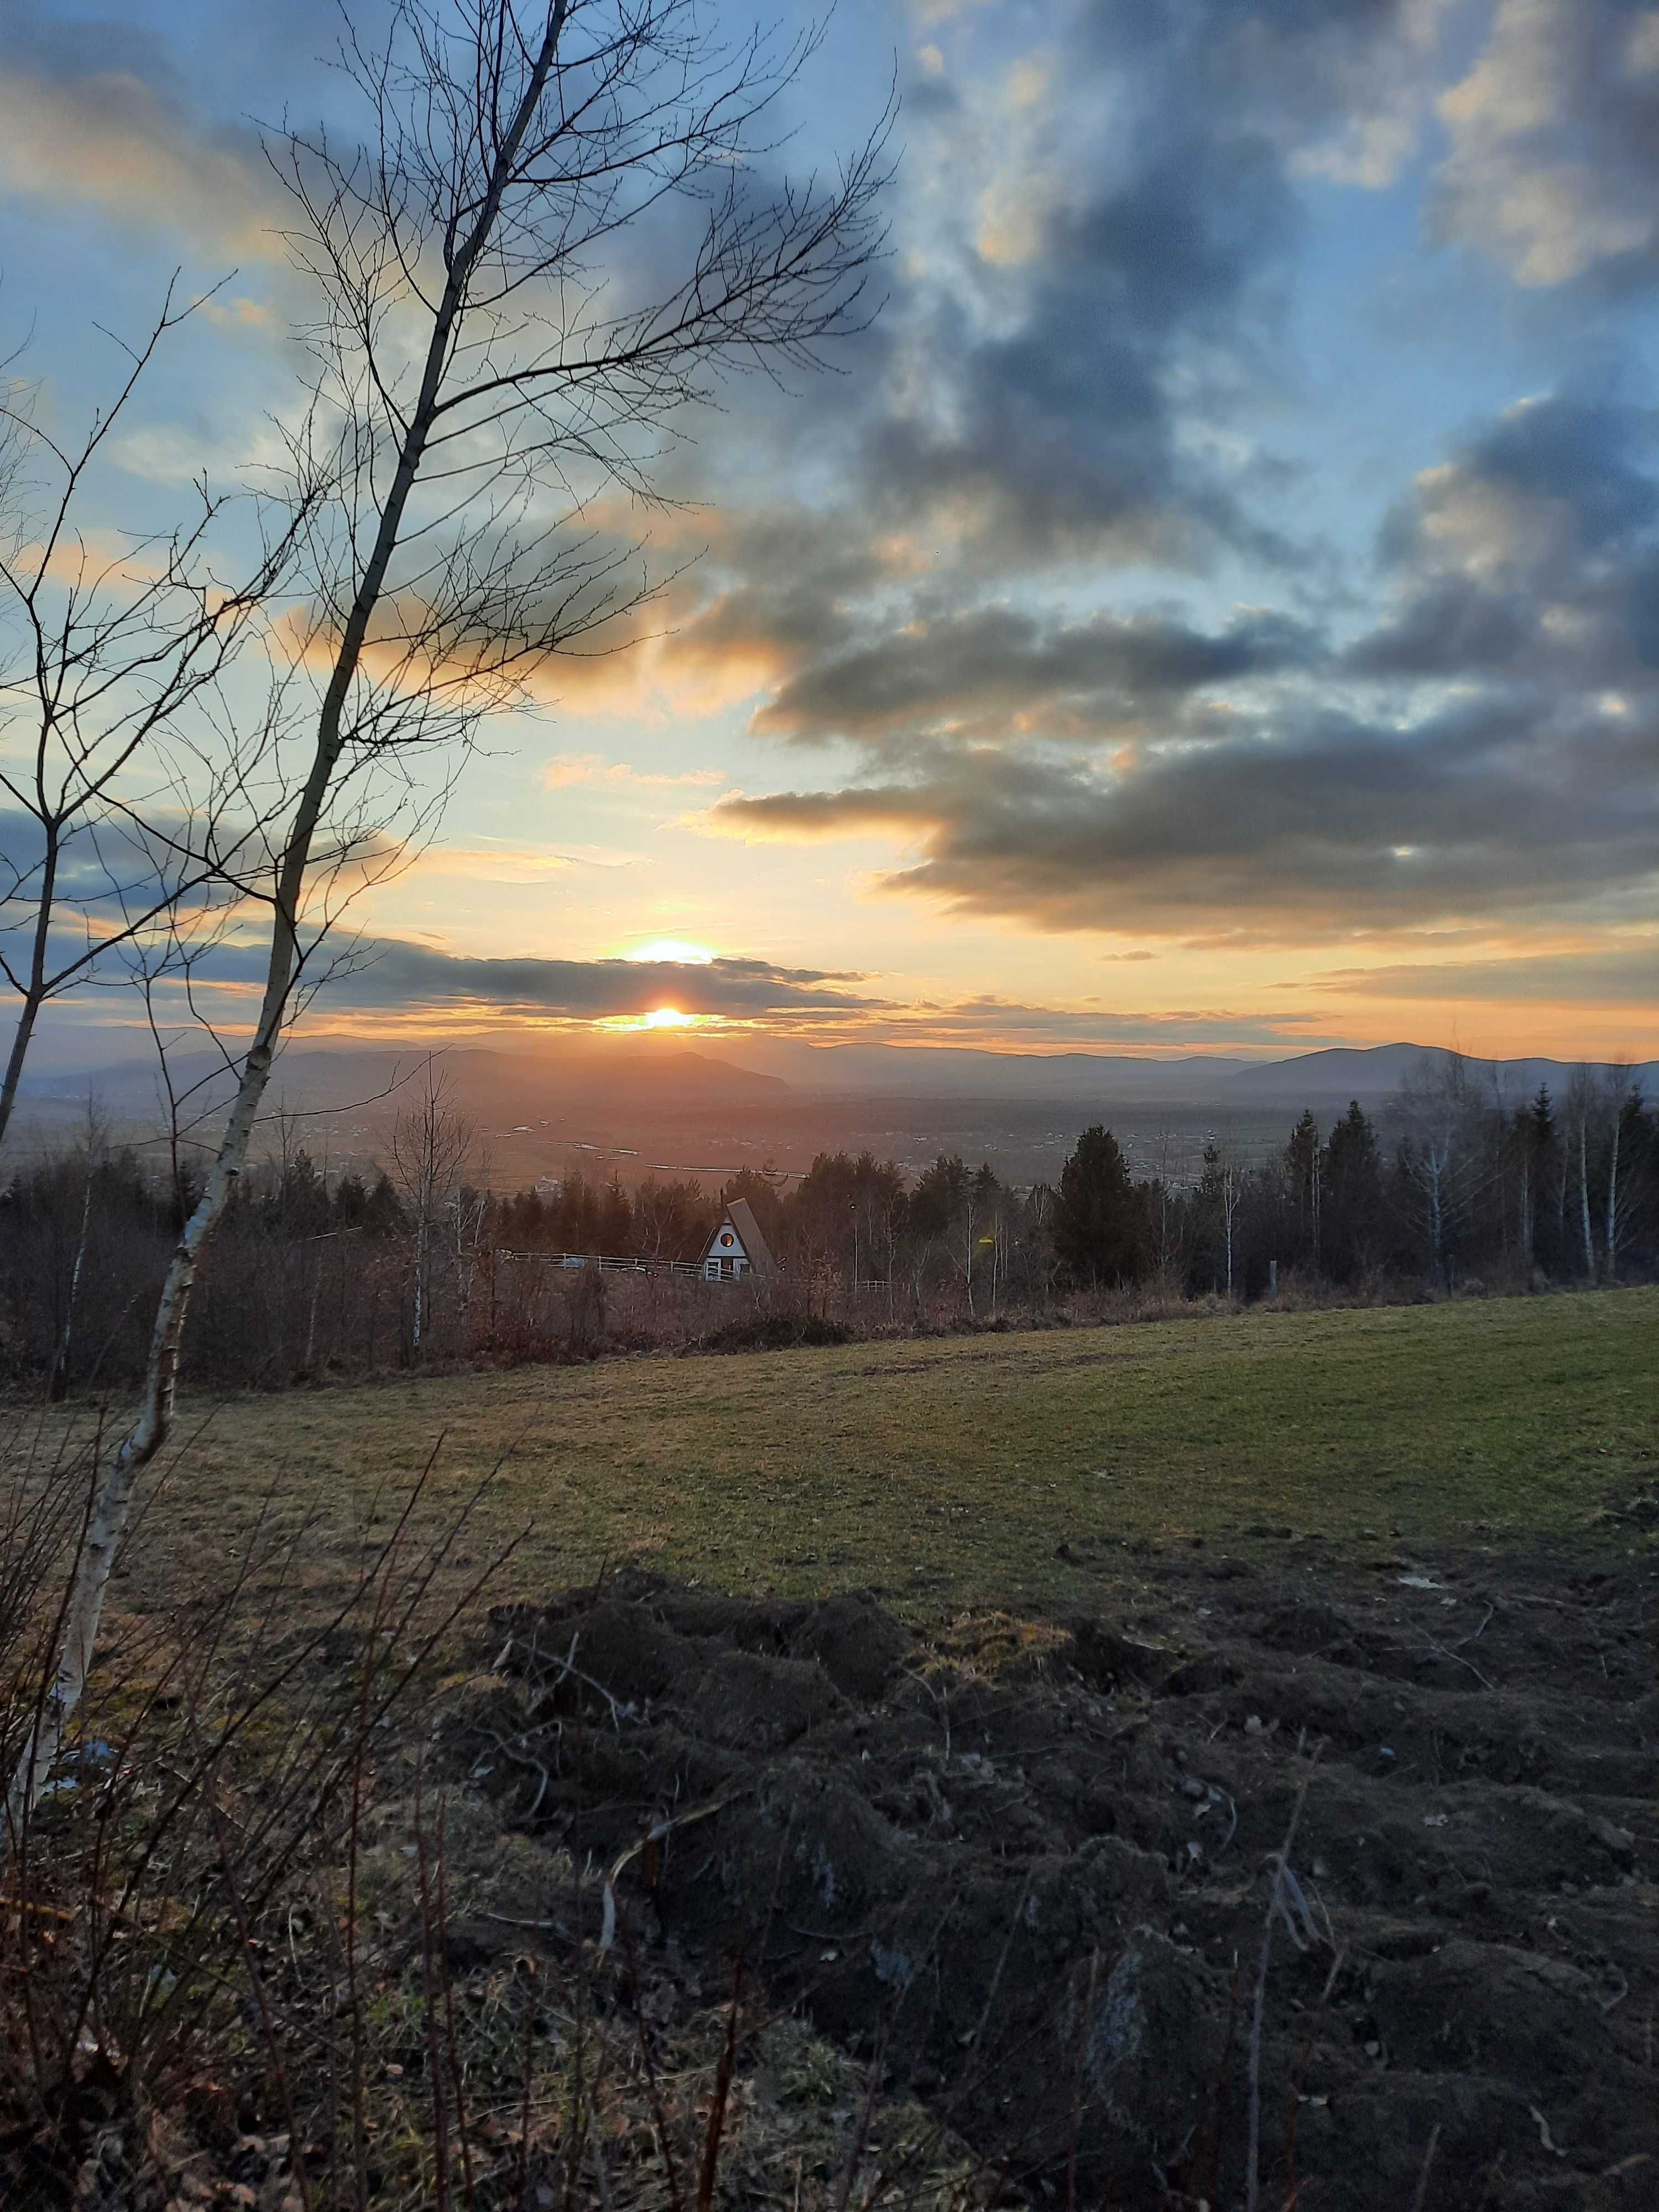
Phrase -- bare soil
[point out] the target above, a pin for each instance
(1023, 1870)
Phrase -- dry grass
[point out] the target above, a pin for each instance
(261, 1945)
(949, 1473)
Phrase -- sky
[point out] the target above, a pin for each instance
(1212, 607)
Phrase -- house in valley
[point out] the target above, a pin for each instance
(737, 1246)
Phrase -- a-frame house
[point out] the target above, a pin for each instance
(737, 1246)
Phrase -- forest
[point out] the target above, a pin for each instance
(1448, 1191)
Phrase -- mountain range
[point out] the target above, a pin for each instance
(502, 1081)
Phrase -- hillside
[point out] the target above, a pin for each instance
(946, 1472)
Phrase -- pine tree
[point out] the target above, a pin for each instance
(1351, 1210)
(1098, 1231)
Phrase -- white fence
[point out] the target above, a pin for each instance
(608, 1264)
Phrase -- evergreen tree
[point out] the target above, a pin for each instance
(1304, 1170)
(1538, 1178)
(1099, 1235)
(938, 1197)
(383, 1216)
(1352, 1199)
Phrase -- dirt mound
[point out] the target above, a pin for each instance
(1028, 1876)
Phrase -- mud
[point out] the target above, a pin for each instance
(1026, 1870)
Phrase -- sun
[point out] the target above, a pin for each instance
(659, 1019)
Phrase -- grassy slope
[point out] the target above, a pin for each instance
(950, 1470)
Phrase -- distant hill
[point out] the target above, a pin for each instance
(1371, 1074)
(507, 1081)
(947, 1072)
(489, 1084)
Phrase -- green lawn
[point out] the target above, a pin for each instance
(950, 1471)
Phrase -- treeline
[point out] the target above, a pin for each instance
(1455, 1190)
(312, 1274)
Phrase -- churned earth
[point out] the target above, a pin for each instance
(1042, 1875)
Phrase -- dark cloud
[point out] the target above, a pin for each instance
(1534, 551)
(400, 975)
(1060, 434)
(101, 872)
(1296, 827)
(1060, 392)
(997, 663)
(1525, 572)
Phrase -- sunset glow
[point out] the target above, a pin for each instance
(675, 950)
(659, 1017)
(1068, 688)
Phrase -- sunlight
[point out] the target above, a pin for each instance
(659, 1017)
(674, 949)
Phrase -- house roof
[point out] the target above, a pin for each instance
(741, 1215)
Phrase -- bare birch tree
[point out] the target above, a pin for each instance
(120, 808)
(1618, 1093)
(1578, 1115)
(1443, 1159)
(431, 1145)
(490, 360)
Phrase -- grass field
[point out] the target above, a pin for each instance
(949, 1472)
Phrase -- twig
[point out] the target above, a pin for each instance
(267, 2026)
(1293, 2102)
(434, 2076)
(1422, 2196)
(530, 2010)
(1440, 1652)
(721, 2098)
(570, 1671)
(457, 2073)
(653, 2092)
(1276, 1910)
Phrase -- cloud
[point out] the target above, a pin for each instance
(1533, 552)
(1296, 826)
(1552, 161)
(1590, 976)
(1490, 743)
(105, 138)
(995, 664)
(571, 768)
(1384, 103)
(404, 976)
(103, 874)
(1052, 428)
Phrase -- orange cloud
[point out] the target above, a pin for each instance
(569, 768)
(108, 142)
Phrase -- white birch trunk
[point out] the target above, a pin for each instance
(112, 1501)
(1611, 1240)
(1583, 1194)
(112, 1493)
